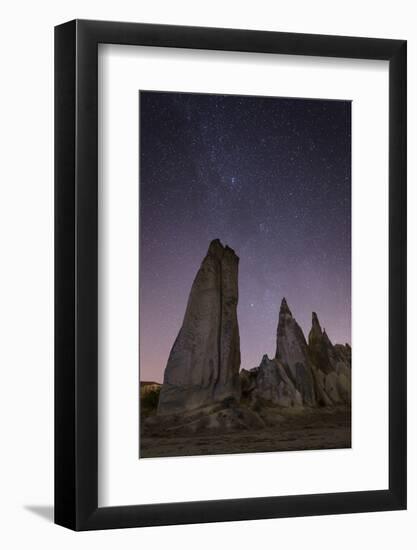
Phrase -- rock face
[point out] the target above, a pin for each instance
(292, 353)
(301, 374)
(332, 366)
(203, 366)
(270, 382)
(320, 350)
(344, 352)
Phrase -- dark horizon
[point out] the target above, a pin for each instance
(269, 177)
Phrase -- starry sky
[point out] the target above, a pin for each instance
(270, 177)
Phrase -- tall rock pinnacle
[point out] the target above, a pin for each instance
(203, 366)
(331, 366)
(321, 349)
(292, 352)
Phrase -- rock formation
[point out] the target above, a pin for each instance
(292, 353)
(202, 387)
(344, 352)
(270, 382)
(320, 351)
(332, 366)
(301, 374)
(203, 366)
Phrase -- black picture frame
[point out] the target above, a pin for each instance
(76, 272)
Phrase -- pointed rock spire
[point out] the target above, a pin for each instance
(315, 321)
(284, 309)
(292, 352)
(327, 339)
(203, 366)
(318, 344)
(216, 249)
(330, 366)
(315, 332)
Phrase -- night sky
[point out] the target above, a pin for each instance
(270, 177)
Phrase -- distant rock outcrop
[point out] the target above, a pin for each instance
(292, 353)
(332, 366)
(203, 366)
(301, 374)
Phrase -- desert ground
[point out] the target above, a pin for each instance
(288, 430)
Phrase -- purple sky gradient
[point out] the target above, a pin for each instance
(270, 177)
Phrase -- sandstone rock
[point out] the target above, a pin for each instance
(322, 397)
(292, 353)
(248, 382)
(332, 367)
(320, 348)
(235, 418)
(149, 387)
(344, 352)
(270, 382)
(203, 366)
(220, 417)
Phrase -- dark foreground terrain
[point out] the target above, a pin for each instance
(286, 430)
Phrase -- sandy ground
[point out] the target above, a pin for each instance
(314, 429)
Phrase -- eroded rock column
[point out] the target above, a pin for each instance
(203, 366)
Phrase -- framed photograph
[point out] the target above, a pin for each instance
(230, 284)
